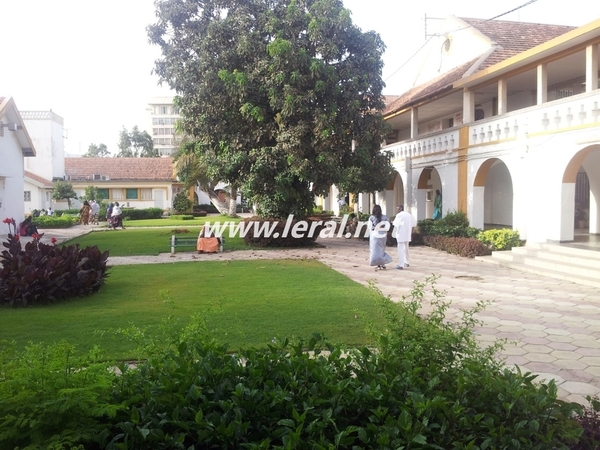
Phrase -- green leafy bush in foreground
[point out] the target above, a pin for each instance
(42, 274)
(426, 384)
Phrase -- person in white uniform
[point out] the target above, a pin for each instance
(403, 223)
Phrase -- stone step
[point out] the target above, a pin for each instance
(560, 262)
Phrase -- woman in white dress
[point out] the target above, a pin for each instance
(378, 227)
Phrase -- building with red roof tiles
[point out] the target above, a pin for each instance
(133, 182)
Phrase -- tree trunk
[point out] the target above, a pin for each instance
(232, 202)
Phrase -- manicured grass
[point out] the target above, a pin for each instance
(246, 302)
(168, 222)
(146, 241)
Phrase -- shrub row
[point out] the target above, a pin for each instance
(140, 214)
(425, 384)
(257, 236)
(42, 273)
(468, 247)
(62, 221)
(182, 217)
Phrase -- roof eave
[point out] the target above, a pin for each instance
(573, 38)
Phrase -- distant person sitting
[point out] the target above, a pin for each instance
(27, 228)
(207, 241)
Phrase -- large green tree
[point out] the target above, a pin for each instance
(136, 143)
(274, 92)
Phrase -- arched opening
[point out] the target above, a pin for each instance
(394, 194)
(429, 182)
(493, 196)
(580, 196)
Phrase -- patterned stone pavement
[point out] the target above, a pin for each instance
(553, 325)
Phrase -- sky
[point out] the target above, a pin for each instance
(90, 61)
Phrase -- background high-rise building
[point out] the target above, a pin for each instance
(163, 117)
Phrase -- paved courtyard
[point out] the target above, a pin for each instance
(553, 325)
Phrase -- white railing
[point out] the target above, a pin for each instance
(579, 110)
(443, 141)
(575, 111)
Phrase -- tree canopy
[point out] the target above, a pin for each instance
(63, 190)
(95, 151)
(274, 92)
(136, 143)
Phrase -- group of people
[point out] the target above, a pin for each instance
(89, 212)
(114, 216)
(379, 224)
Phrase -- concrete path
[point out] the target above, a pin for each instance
(554, 325)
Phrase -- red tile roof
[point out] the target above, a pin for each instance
(435, 86)
(42, 181)
(514, 37)
(120, 169)
(511, 38)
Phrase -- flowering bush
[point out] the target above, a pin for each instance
(10, 221)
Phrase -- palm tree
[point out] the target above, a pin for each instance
(189, 168)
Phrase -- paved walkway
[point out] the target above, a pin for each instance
(554, 325)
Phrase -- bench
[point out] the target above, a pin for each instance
(188, 241)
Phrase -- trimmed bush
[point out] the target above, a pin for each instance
(503, 239)
(183, 217)
(63, 221)
(181, 203)
(60, 212)
(453, 224)
(276, 227)
(209, 208)
(43, 274)
(140, 214)
(467, 247)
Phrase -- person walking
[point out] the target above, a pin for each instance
(84, 213)
(117, 216)
(95, 211)
(403, 226)
(379, 225)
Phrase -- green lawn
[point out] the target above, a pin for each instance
(247, 302)
(146, 241)
(169, 222)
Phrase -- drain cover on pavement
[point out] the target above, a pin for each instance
(469, 277)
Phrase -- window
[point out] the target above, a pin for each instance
(146, 194)
(131, 193)
(162, 109)
(102, 194)
(117, 194)
(27, 196)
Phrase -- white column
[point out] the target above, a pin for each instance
(542, 84)
(477, 207)
(414, 122)
(468, 106)
(502, 96)
(591, 67)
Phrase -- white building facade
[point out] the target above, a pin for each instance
(15, 147)
(509, 135)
